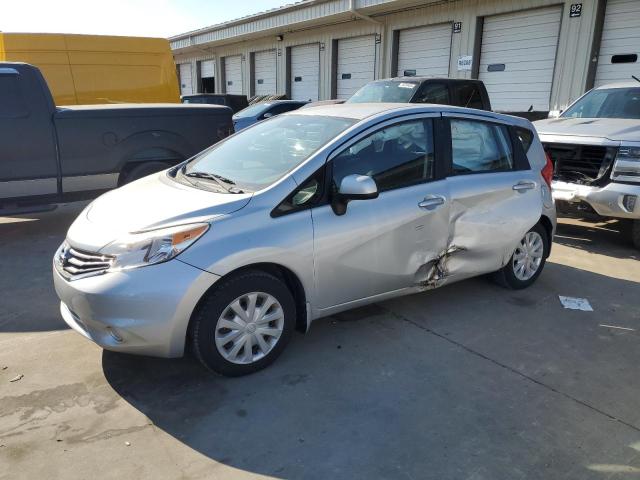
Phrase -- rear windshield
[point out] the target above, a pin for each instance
(258, 156)
(607, 103)
(386, 91)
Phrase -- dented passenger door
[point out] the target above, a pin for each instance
(390, 242)
(495, 196)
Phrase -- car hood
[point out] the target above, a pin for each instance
(150, 203)
(617, 129)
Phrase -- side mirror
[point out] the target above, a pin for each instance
(353, 187)
(554, 114)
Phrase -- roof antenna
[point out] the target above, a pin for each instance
(635, 78)
(531, 107)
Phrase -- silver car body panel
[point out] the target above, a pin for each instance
(379, 249)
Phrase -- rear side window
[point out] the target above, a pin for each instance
(480, 147)
(433, 93)
(469, 96)
(12, 104)
(526, 137)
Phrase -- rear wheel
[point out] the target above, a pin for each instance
(527, 261)
(244, 324)
(142, 170)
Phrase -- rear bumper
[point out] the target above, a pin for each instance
(614, 200)
(143, 311)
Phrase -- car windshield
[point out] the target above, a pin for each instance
(387, 91)
(258, 156)
(252, 110)
(607, 103)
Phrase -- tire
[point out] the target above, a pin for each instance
(142, 170)
(635, 233)
(209, 324)
(512, 275)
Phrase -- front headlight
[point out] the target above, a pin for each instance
(627, 165)
(154, 246)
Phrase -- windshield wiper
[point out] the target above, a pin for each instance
(219, 179)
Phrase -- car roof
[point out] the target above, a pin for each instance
(625, 84)
(362, 111)
(423, 78)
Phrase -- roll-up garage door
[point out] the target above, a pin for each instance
(424, 51)
(233, 74)
(518, 56)
(305, 71)
(208, 68)
(356, 64)
(264, 64)
(620, 47)
(186, 87)
(207, 76)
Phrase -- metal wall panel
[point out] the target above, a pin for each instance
(233, 74)
(305, 72)
(332, 22)
(186, 79)
(265, 73)
(517, 58)
(425, 50)
(356, 64)
(208, 69)
(620, 42)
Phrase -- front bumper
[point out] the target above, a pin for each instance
(144, 311)
(613, 200)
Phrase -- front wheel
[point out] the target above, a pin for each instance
(244, 324)
(527, 261)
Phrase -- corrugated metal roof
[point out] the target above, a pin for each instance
(286, 16)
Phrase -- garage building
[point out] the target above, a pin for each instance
(534, 55)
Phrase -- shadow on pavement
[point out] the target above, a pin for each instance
(373, 394)
(28, 302)
(606, 237)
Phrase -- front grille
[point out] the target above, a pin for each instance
(580, 163)
(77, 263)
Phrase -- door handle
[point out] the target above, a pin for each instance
(523, 186)
(431, 202)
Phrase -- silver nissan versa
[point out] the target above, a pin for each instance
(302, 216)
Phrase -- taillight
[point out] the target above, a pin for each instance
(547, 171)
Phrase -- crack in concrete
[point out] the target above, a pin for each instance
(511, 369)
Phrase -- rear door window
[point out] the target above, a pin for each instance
(480, 147)
(437, 93)
(469, 96)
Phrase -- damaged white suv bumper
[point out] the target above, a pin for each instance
(617, 200)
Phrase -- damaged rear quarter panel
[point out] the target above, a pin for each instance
(488, 219)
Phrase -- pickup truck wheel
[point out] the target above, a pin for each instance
(635, 233)
(142, 170)
(527, 261)
(243, 324)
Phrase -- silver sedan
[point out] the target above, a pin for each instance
(303, 216)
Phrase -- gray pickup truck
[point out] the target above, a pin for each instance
(51, 154)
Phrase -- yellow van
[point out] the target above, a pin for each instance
(94, 69)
